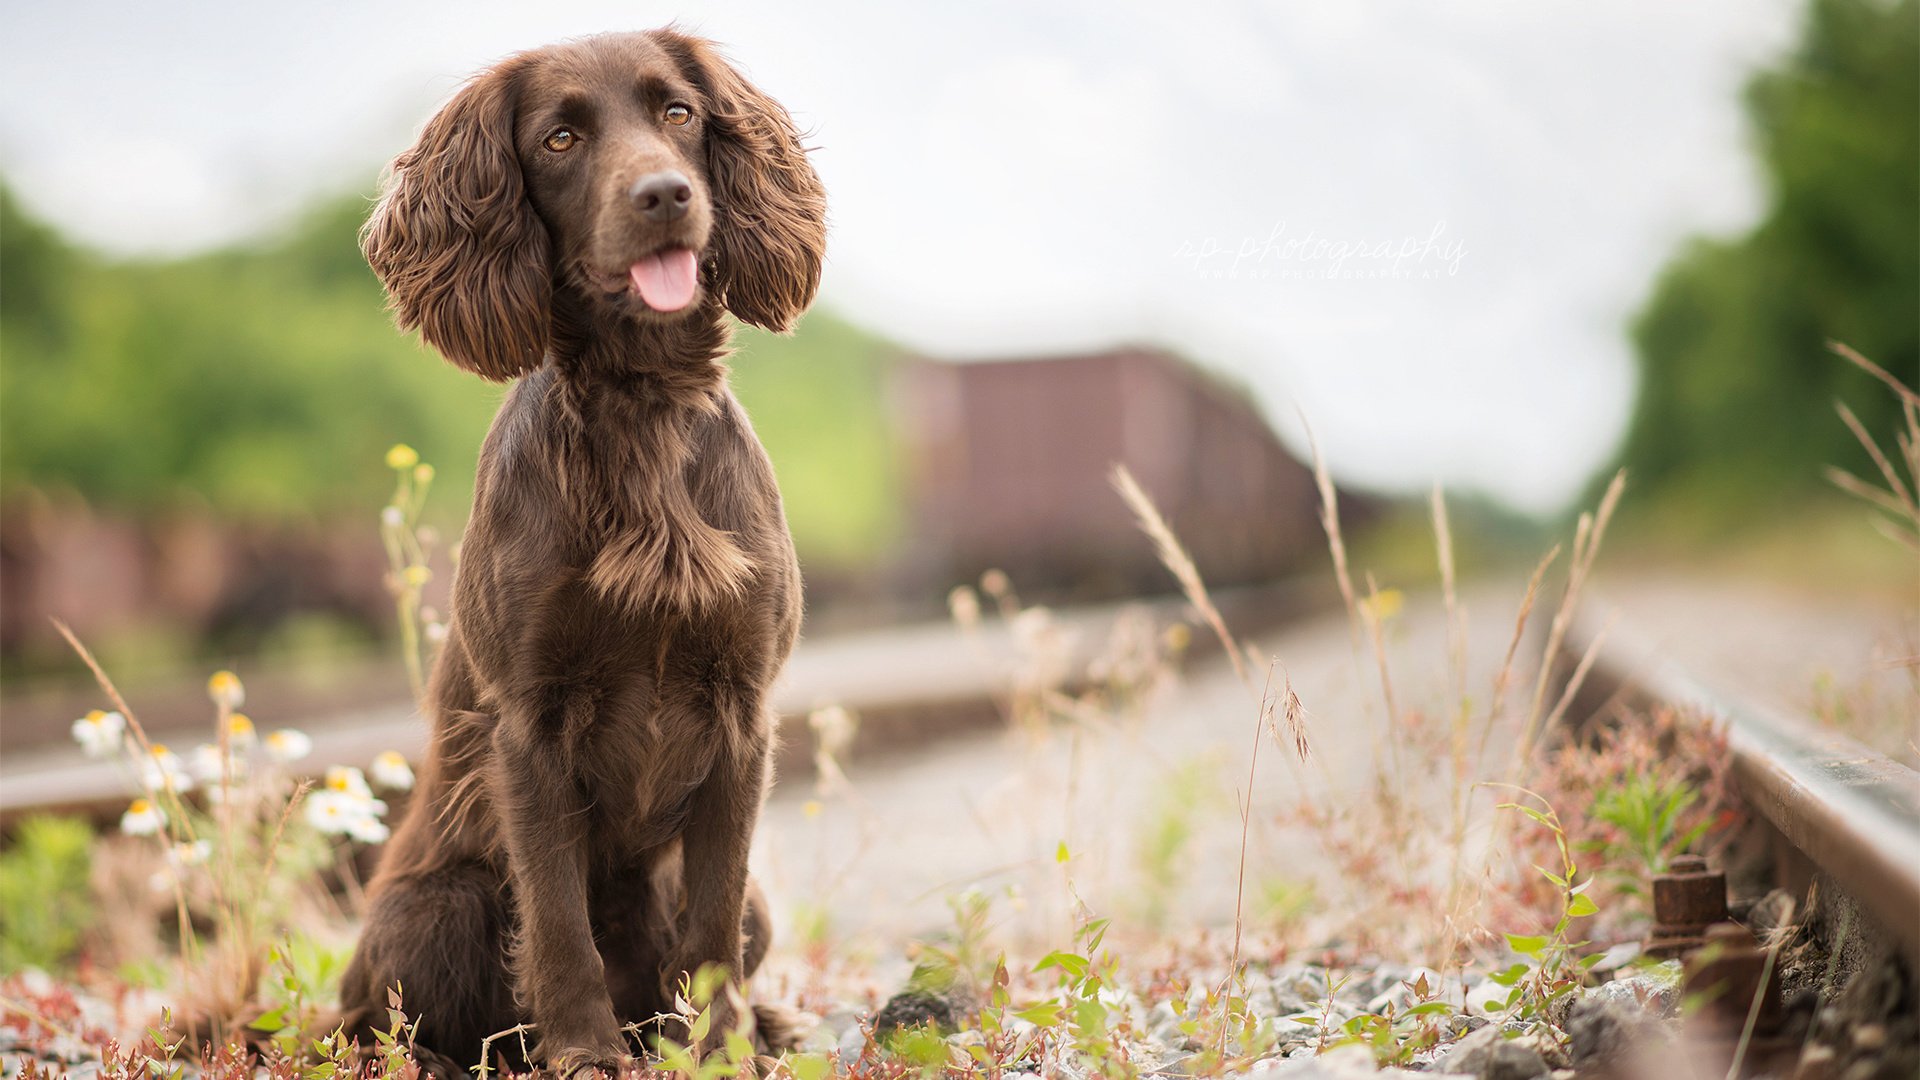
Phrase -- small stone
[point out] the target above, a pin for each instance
(824, 1037)
(1616, 958)
(1164, 1024)
(1488, 1054)
(914, 1008)
(1460, 1025)
(1340, 1063)
(1544, 1043)
(852, 1042)
(1603, 1032)
(1658, 997)
(1558, 1008)
(1830, 1021)
(1503, 1061)
(1816, 1062)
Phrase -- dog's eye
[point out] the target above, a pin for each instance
(561, 141)
(678, 114)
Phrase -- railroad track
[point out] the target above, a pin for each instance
(910, 685)
(1843, 818)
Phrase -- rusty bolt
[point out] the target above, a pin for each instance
(1726, 975)
(1687, 899)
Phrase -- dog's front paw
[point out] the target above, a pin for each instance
(588, 1062)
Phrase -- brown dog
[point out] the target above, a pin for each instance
(581, 218)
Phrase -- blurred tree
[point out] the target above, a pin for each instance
(267, 382)
(1736, 384)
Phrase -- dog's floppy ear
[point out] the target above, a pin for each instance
(770, 212)
(456, 243)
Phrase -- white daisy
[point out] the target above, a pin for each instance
(99, 733)
(164, 769)
(368, 829)
(390, 771)
(288, 745)
(185, 854)
(142, 819)
(225, 690)
(329, 811)
(336, 813)
(240, 733)
(205, 764)
(348, 781)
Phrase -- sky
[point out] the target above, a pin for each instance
(1423, 227)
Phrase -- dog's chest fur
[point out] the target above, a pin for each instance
(658, 527)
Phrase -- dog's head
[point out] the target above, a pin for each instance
(640, 173)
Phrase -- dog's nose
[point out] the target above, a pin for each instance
(662, 196)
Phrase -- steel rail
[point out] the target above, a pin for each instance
(1851, 810)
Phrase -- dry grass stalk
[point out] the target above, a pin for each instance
(1896, 497)
(1503, 679)
(1578, 677)
(1179, 563)
(1586, 548)
(134, 726)
(1330, 522)
(177, 817)
(1901, 498)
(1906, 393)
(1449, 594)
(1372, 609)
(1296, 717)
(1263, 719)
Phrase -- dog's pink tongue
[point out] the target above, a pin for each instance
(666, 280)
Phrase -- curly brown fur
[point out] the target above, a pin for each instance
(627, 590)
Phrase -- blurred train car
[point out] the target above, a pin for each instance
(1008, 466)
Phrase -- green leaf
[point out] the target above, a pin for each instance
(1096, 932)
(1073, 964)
(1428, 1008)
(675, 1057)
(1510, 975)
(1532, 813)
(1582, 906)
(701, 1025)
(739, 1047)
(1527, 944)
(1044, 1014)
